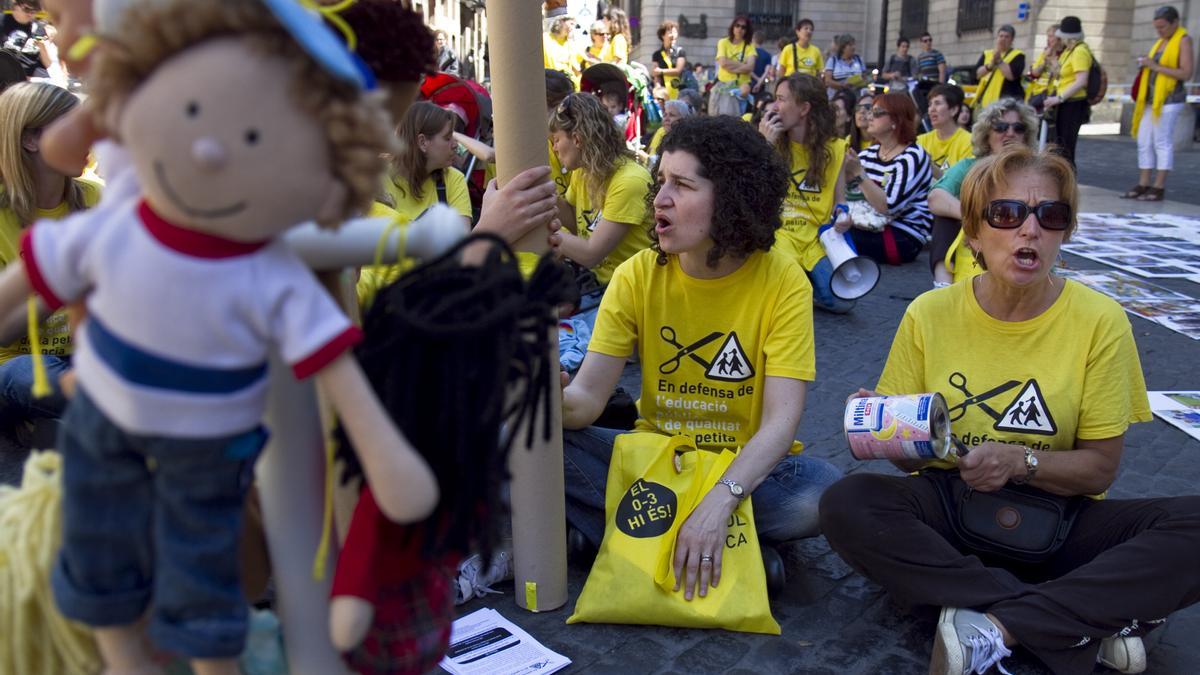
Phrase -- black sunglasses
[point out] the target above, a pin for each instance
(1009, 214)
(1001, 127)
(740, 25)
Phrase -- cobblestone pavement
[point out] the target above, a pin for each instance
(833, 620)
(1110, 162)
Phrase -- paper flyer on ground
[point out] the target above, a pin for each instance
(1161, 305)
(1178, 408)
(485, 642)
(1148, 245)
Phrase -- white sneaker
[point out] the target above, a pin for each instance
(1122, 654)
(474, 582)
(966, 642)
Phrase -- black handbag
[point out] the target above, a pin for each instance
(1020, 523)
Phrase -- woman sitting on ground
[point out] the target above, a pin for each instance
(422, 172)
(1005, 123)
(893, 176)
(33, 191)
(1058, 425)
(711, 273)
(604, 210)
(860, 124)
(799, 124)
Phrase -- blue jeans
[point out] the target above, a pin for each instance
(17, 403)
(152, 517)
(785, 504)
(821, 278)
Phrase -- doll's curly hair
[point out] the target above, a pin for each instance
(749, 183)
(356, 125)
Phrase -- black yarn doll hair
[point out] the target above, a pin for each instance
(393, 40)
(459, 357)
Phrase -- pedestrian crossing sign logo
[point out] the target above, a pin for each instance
(1028, 413)
(802, 184)
(730, 364)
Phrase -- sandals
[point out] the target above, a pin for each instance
(1152, 194)
(1135, 192)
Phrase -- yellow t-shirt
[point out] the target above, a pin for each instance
(54, 334)
(1078, 59)
(960, 260)
(1041, 85)
(949, 152)
(655, 141)
(806, 209)
(409, 207)
(562, 56)
(1075, 375)
(618, 49)
(811, 62)
(624, 202)
(744, 53)
(706, 345)
(372, 278)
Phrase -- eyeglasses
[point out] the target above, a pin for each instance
(1009, 214)
(863, 107)
(926, 39)
(879, 112)
(741, 25)
(1001, 127)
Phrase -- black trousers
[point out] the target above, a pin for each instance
(872, 245)
(1070, 117)
(1126, 566)
(945, 231)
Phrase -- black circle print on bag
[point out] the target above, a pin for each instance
(647, 510)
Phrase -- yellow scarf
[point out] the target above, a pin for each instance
(995, 81)
(1163, 84)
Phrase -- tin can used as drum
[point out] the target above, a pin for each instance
(898, 427)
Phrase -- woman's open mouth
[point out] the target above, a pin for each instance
(1026, 258)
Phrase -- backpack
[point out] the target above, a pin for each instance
(1097, 83)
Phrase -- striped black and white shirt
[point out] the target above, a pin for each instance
(905, 180)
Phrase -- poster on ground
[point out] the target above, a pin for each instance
(1179, 312)
(1180, 409)
(1151, 245)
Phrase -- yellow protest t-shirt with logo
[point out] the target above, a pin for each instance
(805, 208)
(743, 52)
(54, 334)
(946, 153)
(1077, 59)
(706, 345)
(1071, 373)
(624, 202)
(807, 60)
(408, 207)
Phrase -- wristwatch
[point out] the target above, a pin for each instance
(1031, 467)
(735, 488)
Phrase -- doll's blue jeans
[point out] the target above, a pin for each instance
(148, 517)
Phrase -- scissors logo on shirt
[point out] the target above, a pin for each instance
(729, 364)
(591, 217)
(1026, 414)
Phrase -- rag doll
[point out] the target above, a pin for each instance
(454, 352)
(241, 118)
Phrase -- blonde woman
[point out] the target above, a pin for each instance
(1170, 63)
(605, 204)
(600, 49)
(30, 191)
(619, 37)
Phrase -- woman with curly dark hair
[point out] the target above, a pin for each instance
(722, 326)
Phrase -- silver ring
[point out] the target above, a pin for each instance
(706, 558)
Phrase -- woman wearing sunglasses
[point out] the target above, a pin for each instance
(1005, 123)
(1042, 378)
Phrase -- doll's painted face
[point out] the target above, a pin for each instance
(221, 148)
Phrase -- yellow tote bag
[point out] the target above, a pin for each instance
(654, 482)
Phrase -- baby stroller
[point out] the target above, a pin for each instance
(633, 82)
(445, 89)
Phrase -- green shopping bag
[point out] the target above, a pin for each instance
(654, 483)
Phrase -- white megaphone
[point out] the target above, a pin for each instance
(853, 275)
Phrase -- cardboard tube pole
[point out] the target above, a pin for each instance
(538, 507)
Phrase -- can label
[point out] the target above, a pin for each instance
(898, 427)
